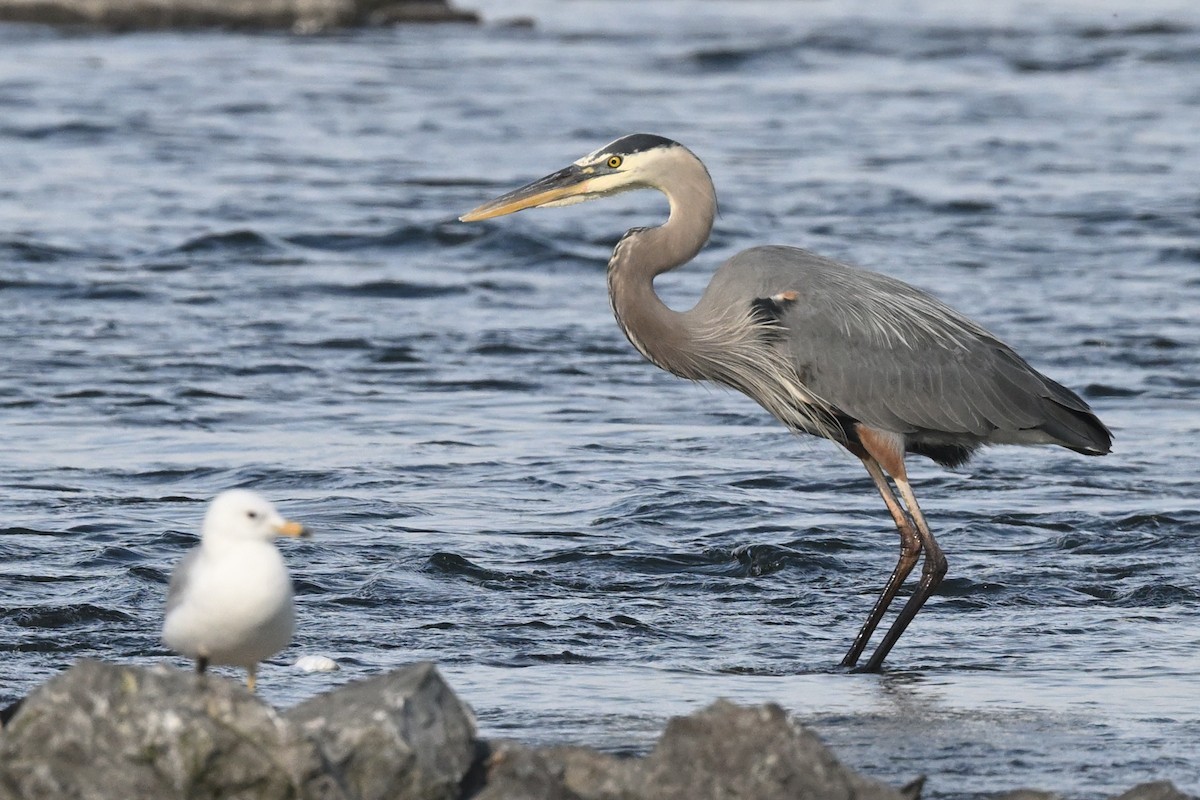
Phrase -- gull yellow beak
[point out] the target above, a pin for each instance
(557, 188)
(294, 529)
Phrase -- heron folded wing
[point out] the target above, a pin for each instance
(890, 355)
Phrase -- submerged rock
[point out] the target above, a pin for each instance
(1156, 790)
(304, 16)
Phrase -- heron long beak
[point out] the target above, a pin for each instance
(561, 186)
(294, 529)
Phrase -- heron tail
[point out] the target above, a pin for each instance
(1071, 421)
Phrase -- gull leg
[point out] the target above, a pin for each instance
(201, 664)
(932, 571)
(910, 549)
(251, 673)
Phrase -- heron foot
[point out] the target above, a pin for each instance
(868, 668)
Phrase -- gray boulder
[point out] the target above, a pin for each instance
(402, 734)
(723, 752)
(109, 731)
(1158, 790)
(510, 771)
(728, 751)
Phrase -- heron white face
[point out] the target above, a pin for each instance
(631, 162)
(608, 171)
(243, 515)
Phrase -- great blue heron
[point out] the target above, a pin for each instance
(868, 361)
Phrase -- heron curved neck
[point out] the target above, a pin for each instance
(659, 333)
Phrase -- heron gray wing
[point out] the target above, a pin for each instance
(179, 579)
(888, 354)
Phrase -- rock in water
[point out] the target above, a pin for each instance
(512, 771)
(316, 664)
(1156, 790)
(732, 751)
(724, 751)
(303, 16)
(108, 731)
(403, 734)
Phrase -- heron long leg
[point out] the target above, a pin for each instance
(932, 571)
(910, 549)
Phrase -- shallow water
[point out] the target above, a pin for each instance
(233, 260)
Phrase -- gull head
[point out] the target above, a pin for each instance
(244, 516)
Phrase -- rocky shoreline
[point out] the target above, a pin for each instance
(301, 16)
(100, 731)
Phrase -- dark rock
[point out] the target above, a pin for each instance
(391, 12)
(403, 734)
(298, 15)
(725, 751)
(730, 751)
(10, 711)
(912, 790)
(514, 772)
(108, 731)
(1158, 790)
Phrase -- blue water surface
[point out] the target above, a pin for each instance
(233, 260)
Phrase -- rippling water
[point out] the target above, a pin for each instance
(232, 260)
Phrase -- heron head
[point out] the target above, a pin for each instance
(631, 162)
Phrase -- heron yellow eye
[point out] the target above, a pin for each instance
(614, 161)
